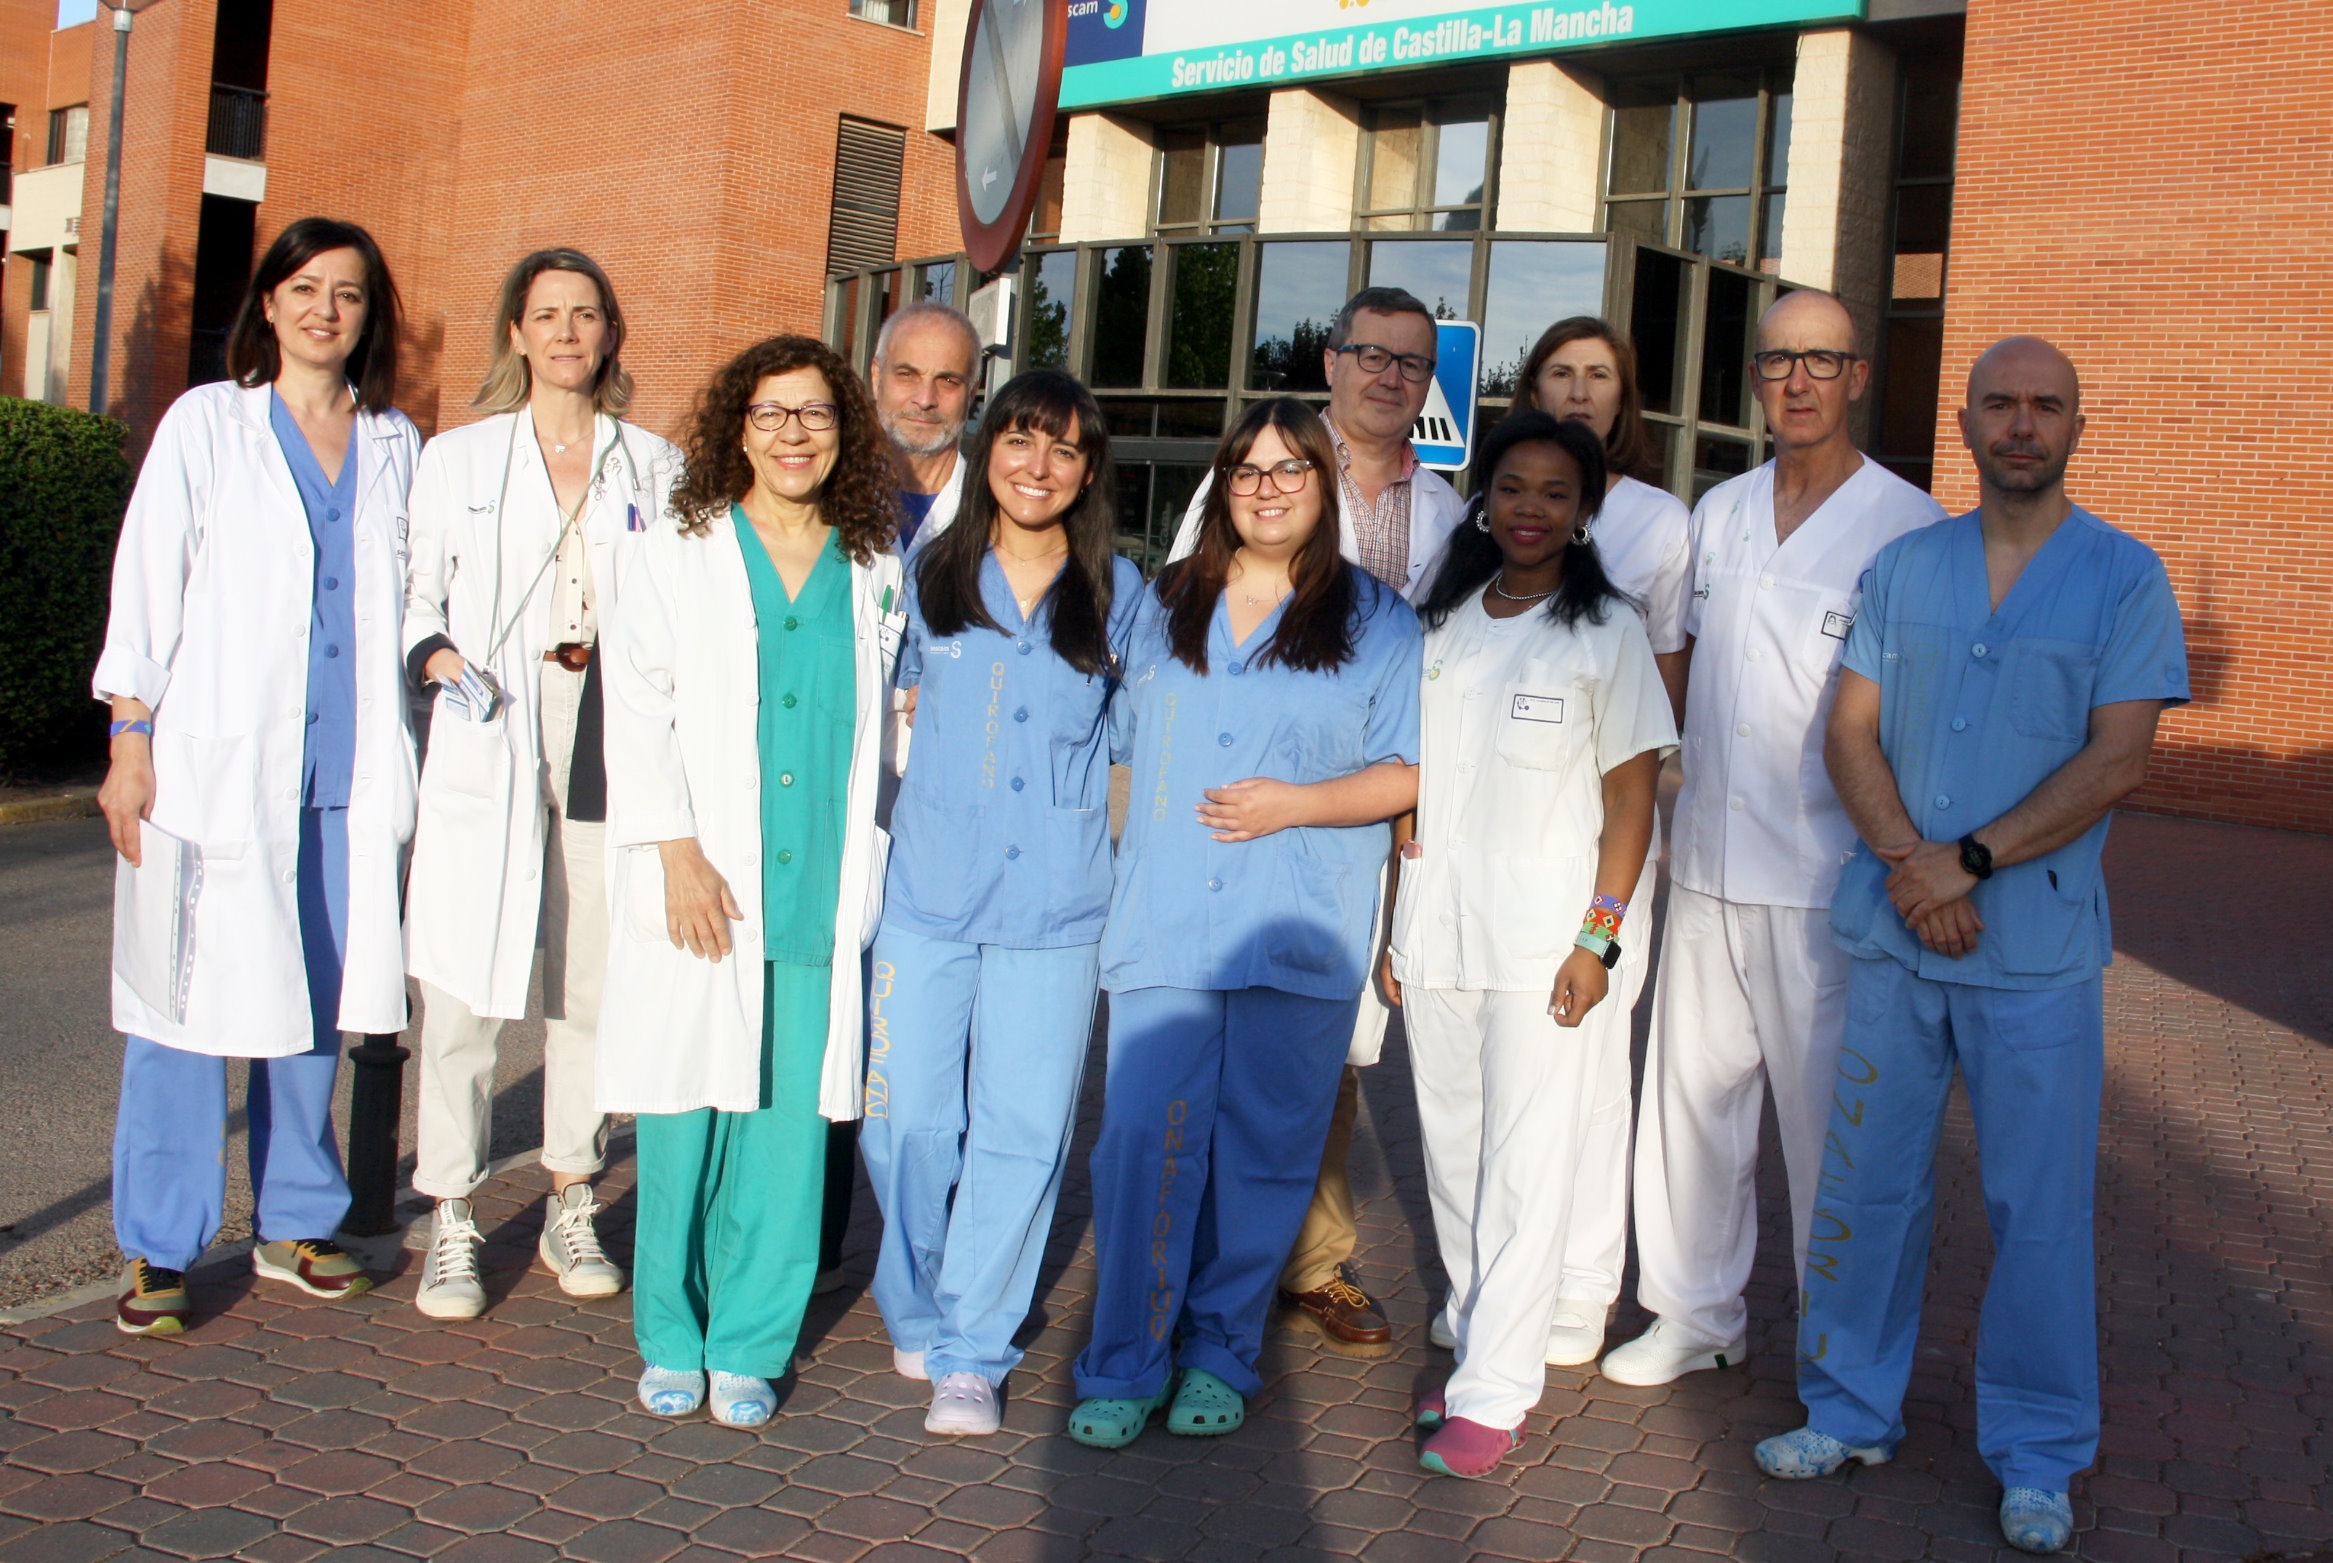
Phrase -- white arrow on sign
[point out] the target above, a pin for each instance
(988, 177)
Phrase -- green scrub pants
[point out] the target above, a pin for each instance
(726, 1242)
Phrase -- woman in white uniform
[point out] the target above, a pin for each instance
(261, 790)
(1542, 728)
(1583, 371)
(519, 524)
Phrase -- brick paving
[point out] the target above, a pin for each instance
(280, 1431)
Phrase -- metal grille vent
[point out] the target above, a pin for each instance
(863, 229)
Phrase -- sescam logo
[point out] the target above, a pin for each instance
(1114, 14)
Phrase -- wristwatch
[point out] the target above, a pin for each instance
(1611, 955)
(1976, 857)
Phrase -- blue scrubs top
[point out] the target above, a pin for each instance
(1001, 833)
(1296, 910)
(328, 756)
(1977, 707)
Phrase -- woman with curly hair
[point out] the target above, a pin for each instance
(747, 689)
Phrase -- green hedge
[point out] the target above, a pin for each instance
(63, 484)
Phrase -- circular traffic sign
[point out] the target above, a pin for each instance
(1006, 98)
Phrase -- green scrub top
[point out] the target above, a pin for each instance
(809, 699)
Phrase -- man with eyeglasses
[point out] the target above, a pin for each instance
(1393, 518)
(923, 371)
(2001, 694)
(1751, 994)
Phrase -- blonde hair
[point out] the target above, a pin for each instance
(508, 379)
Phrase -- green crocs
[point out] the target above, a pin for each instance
(1113, 1424)
(1205, 1406)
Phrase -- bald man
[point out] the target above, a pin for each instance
(2001, 691)
(1751, 993)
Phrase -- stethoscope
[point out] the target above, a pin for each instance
(597, 486)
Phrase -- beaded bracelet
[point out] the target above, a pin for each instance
(1601, 927)
(139, 725)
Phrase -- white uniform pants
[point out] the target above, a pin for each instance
(1506, 1103)
(1750, 998)
(456, 1106)
(1597, 1247)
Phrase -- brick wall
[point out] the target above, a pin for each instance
(24, 53)
(2149, 184)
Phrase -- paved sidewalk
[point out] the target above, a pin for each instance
(280, 1431)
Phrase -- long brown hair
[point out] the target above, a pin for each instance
(1315, 633)
(1628, 449)
(859, 499)
(509, 379)
(253, 355)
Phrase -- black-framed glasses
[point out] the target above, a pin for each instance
(1288, 477)
(1822, 363)
(770, 417)
(1416, 368)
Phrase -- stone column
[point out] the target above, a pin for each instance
(1312, 145)
(1842, 139)
(1551, 150)
(1105, 181)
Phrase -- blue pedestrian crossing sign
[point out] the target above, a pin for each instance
(1444, 435)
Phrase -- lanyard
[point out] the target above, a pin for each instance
(501, 499)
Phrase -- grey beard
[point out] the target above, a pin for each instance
(908, 446)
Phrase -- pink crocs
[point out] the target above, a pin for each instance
(1462, 1448)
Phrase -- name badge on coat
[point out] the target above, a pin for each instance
(1836, 625)
(1537, 708)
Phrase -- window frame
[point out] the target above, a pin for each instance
(1895, 308)
(1432, 114)
(1773, 81)
(60, 148)
(1212, 144)
(858, 10)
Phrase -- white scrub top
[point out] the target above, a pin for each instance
(1758, 821)
(1642, 532)
(1519, 719)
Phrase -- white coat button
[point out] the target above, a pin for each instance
(1736, 805)
(1741, 729)
(1755, 654)
(1765, 583)
(1977, 650)
(287, 878)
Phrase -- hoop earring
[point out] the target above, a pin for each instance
(1482, 523)
(1581, 534)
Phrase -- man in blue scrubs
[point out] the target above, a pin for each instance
(2001, 689)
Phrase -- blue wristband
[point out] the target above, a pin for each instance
(139, 725)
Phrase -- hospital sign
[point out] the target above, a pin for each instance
(1123, 51)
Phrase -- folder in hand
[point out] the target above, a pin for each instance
(154, 920)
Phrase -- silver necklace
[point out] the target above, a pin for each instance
(1500, 591)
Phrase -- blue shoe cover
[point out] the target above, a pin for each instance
(672, 1391)
(2037, 1521)
(1805, 1453)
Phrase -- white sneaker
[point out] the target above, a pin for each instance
(963, 1406)
(1576, 1336)
(570, 1245)
(909, 1364)
(449, 1276)
(1667, 1352)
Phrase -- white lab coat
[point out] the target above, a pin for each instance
(1758, 820)
(1435, 511)
(677, 1032)
(945, 504)
(476, 890)
(213, 592)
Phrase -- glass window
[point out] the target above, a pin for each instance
(1725, 350)
(898, 13)
(1533, 284)
(1299, 288)
(1121, 314)
(937, 282)
(1911, 339)
(1045, 218)
(1716, 459)
(1723, 196)
(1426, 166)
(1210, 177)
(40, 280)
(1202, 280)
(69, 134)
(1052, 295)
(1657, 325)
(1439, 271)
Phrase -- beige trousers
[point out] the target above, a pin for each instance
(1330, 1232)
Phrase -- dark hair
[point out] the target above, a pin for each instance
(859, 499)
(509, 379)
(253, 355)
(1628, 449)
(1473, 556)
(1377, 301)
(1315, 633)
(1077, 604)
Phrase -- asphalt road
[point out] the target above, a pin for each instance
(60, 1064)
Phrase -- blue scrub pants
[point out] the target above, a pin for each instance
(170, 1136)
(2034, 1063)
(975, 1054)
(1215, 1109)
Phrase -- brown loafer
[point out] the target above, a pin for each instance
(1344, 1318)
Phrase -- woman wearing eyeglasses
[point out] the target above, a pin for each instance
(988, 959)
(1272, 705)
(748, 681)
